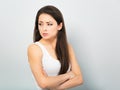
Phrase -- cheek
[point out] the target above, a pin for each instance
(54, 30)
(40, 31)
(54, 33)
(39, 28)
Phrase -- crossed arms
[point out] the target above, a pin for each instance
(59, 82)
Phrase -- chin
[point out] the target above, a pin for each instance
(46, 38)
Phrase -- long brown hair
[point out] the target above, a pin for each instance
(61, 44)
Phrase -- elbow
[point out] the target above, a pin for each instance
(43, 84)
(80, 80)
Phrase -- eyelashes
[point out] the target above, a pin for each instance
(49, 24)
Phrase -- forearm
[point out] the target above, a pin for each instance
(55, 81)
(70, 83)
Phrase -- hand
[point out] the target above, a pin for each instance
(44, 73)
(71, 74)
(56, 89)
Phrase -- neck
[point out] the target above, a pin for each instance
(51, 43)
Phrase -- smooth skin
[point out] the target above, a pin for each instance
(49, 28)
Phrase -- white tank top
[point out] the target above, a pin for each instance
(50, 64)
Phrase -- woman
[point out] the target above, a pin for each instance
(51, 58)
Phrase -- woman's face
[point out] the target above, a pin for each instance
(48, 26)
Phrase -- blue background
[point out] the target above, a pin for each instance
(93, 29)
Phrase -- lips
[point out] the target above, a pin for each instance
(45, 34)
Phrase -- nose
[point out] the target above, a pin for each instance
(45, 28)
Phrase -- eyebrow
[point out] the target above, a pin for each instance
(46, 22)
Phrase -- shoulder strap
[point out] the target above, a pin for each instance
(40, 45)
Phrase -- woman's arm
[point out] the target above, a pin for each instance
(77, 79)
(44, 81)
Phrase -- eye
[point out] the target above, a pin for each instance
(50, 24)
(39, 24)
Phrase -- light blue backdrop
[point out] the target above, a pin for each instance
(93, 28)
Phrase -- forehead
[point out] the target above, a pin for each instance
(45, 18)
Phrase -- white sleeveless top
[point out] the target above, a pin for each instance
(50, 64)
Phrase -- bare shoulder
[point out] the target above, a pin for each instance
(71, 53)
(34, 50)
(70, 48)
